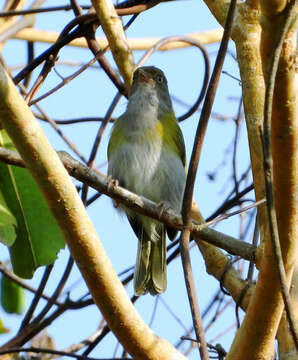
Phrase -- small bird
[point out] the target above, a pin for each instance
(146, 154)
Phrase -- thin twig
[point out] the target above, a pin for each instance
(76, 7)
(21, 282)
(39, 11)
(73, 121)
(268, 167)
(235, 147)
(210, 346)
(157, 298)
(76, 347)
(56, 293)
(64, 82)
(228, 204)
(188, 194)
(51, 351)
(254, 242)
(179, 321)
(237, 212)
(30, 57)
(37, 297)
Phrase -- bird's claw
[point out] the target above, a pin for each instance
(162, 207)
(112, 183)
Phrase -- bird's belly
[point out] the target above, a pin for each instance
(137, 164)
(151, 171)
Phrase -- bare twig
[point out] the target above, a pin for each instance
(235, 147)
(39, 11)
(56, 293)
(255, 243)
(37, 297)
(51, 351)
(64, 82)
(20, 282)
(242, 210)
(228, 204)
(188, 194)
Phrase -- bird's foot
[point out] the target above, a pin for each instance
(111, 184)
(162, 207)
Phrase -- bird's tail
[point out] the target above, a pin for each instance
(151, 265)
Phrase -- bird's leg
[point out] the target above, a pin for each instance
(112, 183)
(162, 207)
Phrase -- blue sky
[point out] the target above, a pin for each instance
(90, 95)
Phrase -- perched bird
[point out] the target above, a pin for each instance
(146, 154)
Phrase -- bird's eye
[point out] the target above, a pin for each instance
(159, 79)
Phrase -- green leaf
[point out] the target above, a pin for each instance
(12, 296)
(7, 223)
(38, 237)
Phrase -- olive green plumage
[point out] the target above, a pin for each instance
(146, 155)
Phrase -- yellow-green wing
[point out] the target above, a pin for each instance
(116, 137)
(172, 135)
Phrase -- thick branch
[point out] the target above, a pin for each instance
(251, 341)
(50, 37)
(79, 233)
(100, 182)
(112, 26)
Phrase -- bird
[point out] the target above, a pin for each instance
(146, 155)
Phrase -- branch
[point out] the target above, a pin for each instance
(190, 180)
(268, 170)
(101, 183)
(79, 233)
(21, 282)
(52, 352)
(286, 345)
(112, 27)
(50, 37)
(268, 309)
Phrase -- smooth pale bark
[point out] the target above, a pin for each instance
(50, 37)
(59, 191)
(112, 26)
(254, 45)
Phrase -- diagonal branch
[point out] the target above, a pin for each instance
(79, 233)
(190, 180)
(100, 182)
(112, 26)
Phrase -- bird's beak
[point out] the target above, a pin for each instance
(143, 77)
